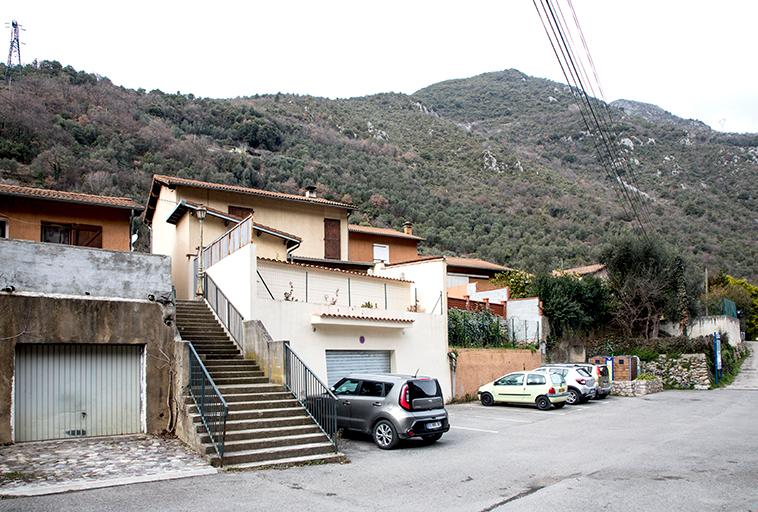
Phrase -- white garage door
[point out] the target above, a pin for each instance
(65, 391)
(342, 362)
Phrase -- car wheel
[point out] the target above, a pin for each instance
(432, 438)
(385, 435)
(543, 403)
(574, 397)
(560, 405)
(487, 399)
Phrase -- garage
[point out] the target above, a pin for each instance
(343, 362)
(66, 390)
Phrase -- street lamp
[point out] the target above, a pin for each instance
(200, 271)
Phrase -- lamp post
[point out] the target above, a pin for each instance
(200, 271)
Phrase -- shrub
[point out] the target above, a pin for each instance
(476, 329)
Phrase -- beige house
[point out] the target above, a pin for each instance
(284, 224)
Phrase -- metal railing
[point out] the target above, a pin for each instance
(231, 241)
(210, 403)
(230, 317)
(315, 396)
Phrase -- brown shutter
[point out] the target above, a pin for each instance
(240, 211)
(332, 240)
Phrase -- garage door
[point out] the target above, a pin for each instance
(65, 391)
(342, 362)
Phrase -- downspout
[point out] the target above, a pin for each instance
(131, 219)
(289, 251)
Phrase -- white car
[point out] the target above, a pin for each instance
(540, 389)
(581, 385)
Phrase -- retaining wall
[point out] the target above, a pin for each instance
(477, 366)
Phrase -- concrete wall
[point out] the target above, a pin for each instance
(707, 325)
(25, 319)
(34, 267)
(476, 367)
(429, 283)
(236, 276)
(420, 346)
(25, 217)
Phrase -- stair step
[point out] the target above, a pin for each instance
(219, 356)
(231, 362)
(250, 397)
(236, 374)
(268, 442)
(262, 423)
(289, 461)
(259, 433)
(273, 454)
(245, 389)
(263, 404)
(221, 380)
(255, 414)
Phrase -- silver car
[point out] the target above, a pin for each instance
(391, 407)
(581, 385)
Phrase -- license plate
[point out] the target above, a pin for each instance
(433, 424)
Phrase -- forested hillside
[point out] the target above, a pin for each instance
(496, 166)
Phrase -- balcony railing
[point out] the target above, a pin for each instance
(211, 405)
(315, 396)
(225, 310)
(231, 241)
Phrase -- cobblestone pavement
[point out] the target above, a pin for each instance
(52, 463)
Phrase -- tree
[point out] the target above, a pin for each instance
(519, 283)
(572, 305)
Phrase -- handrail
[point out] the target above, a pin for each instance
(210, 403)
(316, 397)
(235, 238)
(230, 317)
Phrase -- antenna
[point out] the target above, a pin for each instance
(416, 374)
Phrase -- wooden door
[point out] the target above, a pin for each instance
(332, 242)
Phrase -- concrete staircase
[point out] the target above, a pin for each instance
(266, 426)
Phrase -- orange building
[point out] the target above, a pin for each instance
(44, 215)
(370, 244)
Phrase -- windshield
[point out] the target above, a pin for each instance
(583, 372)
(424, 388)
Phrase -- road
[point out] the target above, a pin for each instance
(676, 450)
(748, 376)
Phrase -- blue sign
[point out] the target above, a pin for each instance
(717, 356)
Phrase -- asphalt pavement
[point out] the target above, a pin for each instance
(676, 450)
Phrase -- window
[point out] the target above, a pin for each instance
(3, 228)
(72, 234)
(557, 379)
(346, 387)
(381, 253)
(370, 388)
(535, 380)
(240, 211)
(515, 379)
(424, 388)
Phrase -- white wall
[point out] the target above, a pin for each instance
(421, 346)
(525, 318)
(707, 325)
(235, 275)
(429, 283)
(495, 296)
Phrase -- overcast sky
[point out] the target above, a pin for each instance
(696, 59)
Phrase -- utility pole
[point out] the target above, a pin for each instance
(706, 291)
(15, 47)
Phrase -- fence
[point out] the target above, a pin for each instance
(312, 393)
(475, 305)
(522, 331)
(234, 239)
(227, 313)
(211, 405)
(298, 283)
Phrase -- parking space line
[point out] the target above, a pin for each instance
(475, 429)
(496, 418)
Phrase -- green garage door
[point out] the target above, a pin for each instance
(343, 362)
(65, 391)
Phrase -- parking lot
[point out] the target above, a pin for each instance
(676, 450)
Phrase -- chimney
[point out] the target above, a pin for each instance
(310, 191)
(408, 228)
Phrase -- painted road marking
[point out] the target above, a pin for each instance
(475, 429)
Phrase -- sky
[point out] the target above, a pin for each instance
(696, 59)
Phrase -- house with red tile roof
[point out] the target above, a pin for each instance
(372, 244)
(87, 220)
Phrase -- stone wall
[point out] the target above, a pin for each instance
(689, 371)
(636, 387)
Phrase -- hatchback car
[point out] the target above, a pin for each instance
(581, 386)
(540, 389)
(602, 378)
(391, 407)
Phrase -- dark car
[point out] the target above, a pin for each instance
(391, 407)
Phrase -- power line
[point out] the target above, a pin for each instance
(575, 73)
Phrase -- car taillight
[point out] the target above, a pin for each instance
(581, 381)
(404, 402)
(551, 391)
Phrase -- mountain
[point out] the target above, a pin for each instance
(497, 166)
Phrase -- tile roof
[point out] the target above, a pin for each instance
(371, 230)
(420, 259)
(173, 181)
(455, 261)
(360, 317)
(338, 270)
(68, 197)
